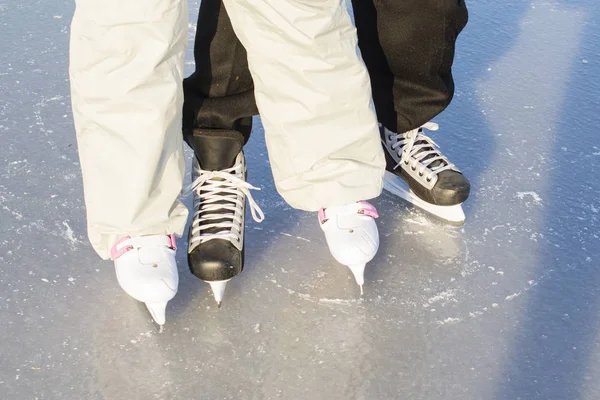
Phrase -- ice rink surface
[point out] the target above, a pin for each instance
(506, 307)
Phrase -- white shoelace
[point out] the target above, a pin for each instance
(414, 155)
(217, 198)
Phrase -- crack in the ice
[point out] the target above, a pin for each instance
(323, 300)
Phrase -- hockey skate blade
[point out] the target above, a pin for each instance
(358, 270)
(218, 289)
(157, 310)
(396, 185)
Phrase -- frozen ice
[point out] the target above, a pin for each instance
(524, 128)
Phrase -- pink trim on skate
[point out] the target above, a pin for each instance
(116, 253)
(368, 210)
(322, 217)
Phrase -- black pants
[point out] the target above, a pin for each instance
(407, 45)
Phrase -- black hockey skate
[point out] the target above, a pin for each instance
(418, 172)
(216, 236)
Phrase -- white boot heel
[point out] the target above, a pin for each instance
(352, 235)
(147, 271)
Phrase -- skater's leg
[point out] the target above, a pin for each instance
(313, 94)
(126, 71)
(219, 95)
(218, 108)
(408, 47)
(126, 63)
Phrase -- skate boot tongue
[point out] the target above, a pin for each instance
(344, 216)
(216, 149)
(436, 163)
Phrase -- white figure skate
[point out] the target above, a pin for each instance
(352, 235)
(147, 271)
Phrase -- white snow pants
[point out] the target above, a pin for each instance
(312, 90)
